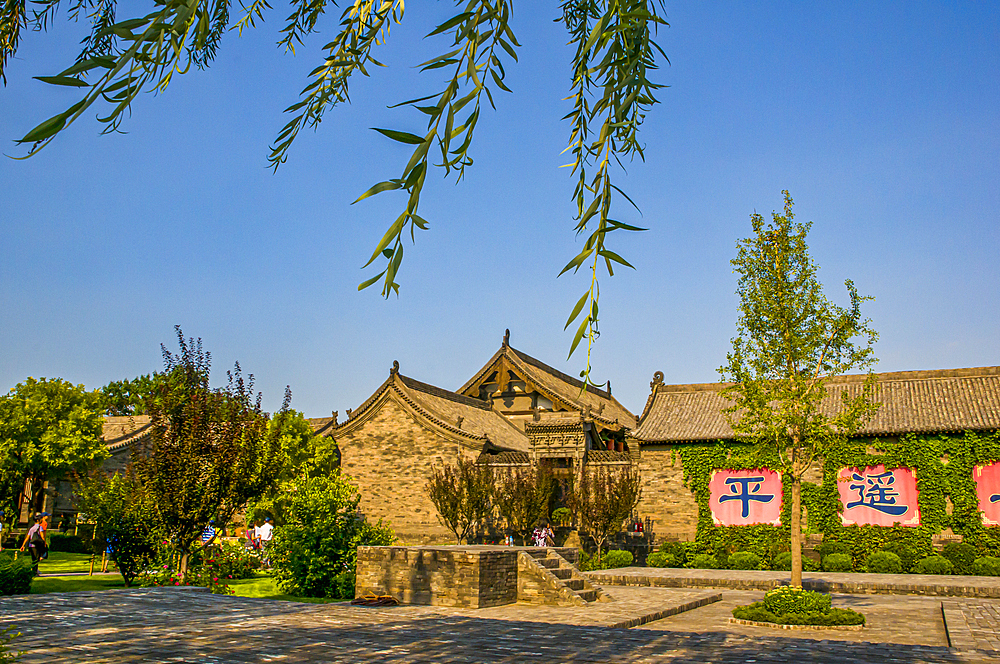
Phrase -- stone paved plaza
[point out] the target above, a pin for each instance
(162, 625)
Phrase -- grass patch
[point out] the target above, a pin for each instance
(60, 562)
(70, 584)
(263, 586)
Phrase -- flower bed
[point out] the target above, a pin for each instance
(794, 606)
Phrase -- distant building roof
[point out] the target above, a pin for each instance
(120, 430)
(942, 401)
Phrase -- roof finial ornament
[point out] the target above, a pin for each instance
(395, 368)
(460, 420)
(506, 337)
(585, 415)
(348, 413)
(657, 380)
(609, 387)
(335, 414)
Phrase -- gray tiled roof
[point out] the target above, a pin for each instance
(948, 400)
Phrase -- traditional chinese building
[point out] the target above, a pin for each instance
(949, 401)
(514, 411)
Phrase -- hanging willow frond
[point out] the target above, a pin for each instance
(611, 94)
(615, 51)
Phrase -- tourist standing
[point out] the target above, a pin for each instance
(265, 533)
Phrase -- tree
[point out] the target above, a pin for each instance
(604, 498)
(790, 339)
(125, 516)
(610, 93)
(209, 451)
(127, 397)
(314, 552)
(463, 496)
(48, 427)
(306, 455)
(522, 498)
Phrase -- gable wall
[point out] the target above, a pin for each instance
(389, 458)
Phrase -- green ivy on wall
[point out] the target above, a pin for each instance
(943, 465)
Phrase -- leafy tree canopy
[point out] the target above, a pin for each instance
(128, 397)
(210, 450)
(47, 427)
(610, 93)
(306, 456)
(790, 339)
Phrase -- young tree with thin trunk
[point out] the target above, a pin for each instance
(522, 498)
(210, 451)
(604, 498)
(790, 341)
(463, 496)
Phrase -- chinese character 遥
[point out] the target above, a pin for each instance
(876, 492)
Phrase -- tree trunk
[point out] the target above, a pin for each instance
(183, 566)
(796, 534)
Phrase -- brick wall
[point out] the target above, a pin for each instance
(438, 576)
(389, 458)
(665, 499)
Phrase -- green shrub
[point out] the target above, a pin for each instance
(344, 584)
(786, 599)
(15, 575)
(660, 559)
(833, 546)
(986, 566)
(908, 556)
(758, 613)
(681, 551)
(233, 561)
(837, 562)
(320, 537)
(783, 561)
(933, 565)
(614, 559)
(962, 555)
(703, 561)
(744, 560)
(69, 543)
(884, 562)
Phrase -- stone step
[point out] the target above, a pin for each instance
(548, 563)
(562, 572)
(588, 595)
(574, 584)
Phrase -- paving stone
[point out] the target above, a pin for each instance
(160, 625)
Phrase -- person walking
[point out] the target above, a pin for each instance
(34, 540)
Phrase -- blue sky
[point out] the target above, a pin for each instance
(880, 118)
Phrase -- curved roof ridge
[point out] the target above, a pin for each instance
(443, 393)
(420, 408)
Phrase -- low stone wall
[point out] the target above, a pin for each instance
(462, 576)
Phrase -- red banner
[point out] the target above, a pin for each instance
(745, 497)
(874, 496)
(988, 489)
